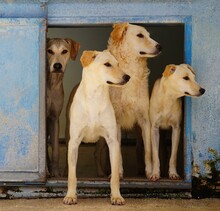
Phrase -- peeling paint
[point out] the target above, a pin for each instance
(205, 112)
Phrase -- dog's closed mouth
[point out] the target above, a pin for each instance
(142, 52)
(121, 83)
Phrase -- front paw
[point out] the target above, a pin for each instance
(69, 200)
(117, 200)
(174, 176)
(154, 177)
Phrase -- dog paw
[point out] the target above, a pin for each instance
(117, 200)
(174, 176)
(154, 177)
(70, 200)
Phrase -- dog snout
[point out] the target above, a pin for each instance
(159, 47)
(126, 77)
(57, 66)
(202, 91)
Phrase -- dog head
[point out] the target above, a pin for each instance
(104, 66)
(181, 79)
(59, 51)
(136, 38)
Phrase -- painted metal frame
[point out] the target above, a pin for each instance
(170, 20)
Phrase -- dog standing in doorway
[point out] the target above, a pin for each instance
(132, 46)
(59, 51)
(166, 110)
(92, 116)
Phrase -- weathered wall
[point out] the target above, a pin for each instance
(205, 46)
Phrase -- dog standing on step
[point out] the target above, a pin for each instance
(59, 51)
(166, 110)
(131, 45)
(92, 116)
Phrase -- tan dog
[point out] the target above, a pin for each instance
(131, 45)
(166, 110)
(92, 116)
(59, 51)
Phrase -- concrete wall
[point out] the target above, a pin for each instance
(205, 46)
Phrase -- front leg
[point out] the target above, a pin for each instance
(121, 170)
(145, 127)
(155, 137)
(54, 138)
(71, 197)
(175, 143)
(114, 152)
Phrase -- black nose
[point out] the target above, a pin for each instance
(202, 91)
(126, 77)
(159, 47)
(57, 66)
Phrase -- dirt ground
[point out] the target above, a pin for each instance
(102, 204)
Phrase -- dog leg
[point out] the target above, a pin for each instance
(145, 127)
(121, 170)
(54, 171)
(175, 143)
(155, 152)
(114, 151)
(71, 197)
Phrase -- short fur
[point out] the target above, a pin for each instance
(59, 51)
(131, 45)
(166, 110)
(92, 116)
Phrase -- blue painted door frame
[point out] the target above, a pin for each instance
(30, 109)
(187, 21)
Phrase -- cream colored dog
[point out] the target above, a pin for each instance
(131, 45)
(92, 116)
(166, 110)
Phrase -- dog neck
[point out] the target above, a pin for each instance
(92, 88)
(55, 79)
(132, 65)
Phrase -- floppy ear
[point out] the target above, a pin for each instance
(87, 57)
(119, 30)
(189, 67)
(169, 70)
(74, 48)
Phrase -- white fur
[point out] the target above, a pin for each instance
(166, 110)
(131, 102)
(92, 116)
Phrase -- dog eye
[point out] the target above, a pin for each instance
(64, 52)
(186, 78)
(50, 51)
(107, 64)
(140, 35)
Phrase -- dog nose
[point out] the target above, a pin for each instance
(126, 77)
(202, 91)
(159, 47)
(57, 66)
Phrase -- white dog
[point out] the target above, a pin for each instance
(92, 116)
(131, 45)
(166, 110)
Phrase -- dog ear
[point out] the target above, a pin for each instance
(119, 30)
(189, 67)
(87, 57)
(74, 48)
(169, 70)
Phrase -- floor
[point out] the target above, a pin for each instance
(102, 204)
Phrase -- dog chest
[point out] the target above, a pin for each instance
(92, 133)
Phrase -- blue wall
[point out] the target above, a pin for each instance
(205, 46)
